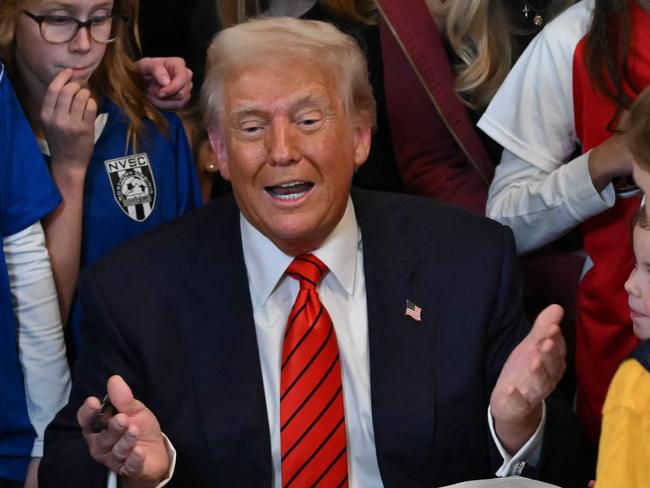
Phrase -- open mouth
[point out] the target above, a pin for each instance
(292, 190)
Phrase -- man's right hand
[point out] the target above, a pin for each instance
(132, 444)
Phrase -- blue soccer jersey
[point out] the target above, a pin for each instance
(128, 191)
(27, 193)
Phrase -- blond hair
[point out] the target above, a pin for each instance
(232, 12)
(117, 76)
(287, 41)
(640, 130)
(481, 35)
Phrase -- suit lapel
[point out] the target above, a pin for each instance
(223, 356)
(402, 350)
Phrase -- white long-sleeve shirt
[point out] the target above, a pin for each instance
(539, 190)
(40, 333)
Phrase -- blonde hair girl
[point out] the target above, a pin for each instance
(119, 172)
(481, 33)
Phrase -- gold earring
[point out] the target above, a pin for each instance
(211, 165)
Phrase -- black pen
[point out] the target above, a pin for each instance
(101, 417)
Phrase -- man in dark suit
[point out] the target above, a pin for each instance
(407, 322)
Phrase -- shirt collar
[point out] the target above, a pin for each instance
(266, 264)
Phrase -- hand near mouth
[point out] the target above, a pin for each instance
(68, 120)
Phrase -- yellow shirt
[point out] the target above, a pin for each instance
(624, 452)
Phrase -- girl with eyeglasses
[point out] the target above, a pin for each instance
(120, 165)
(34, 375)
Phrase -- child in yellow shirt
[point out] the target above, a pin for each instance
(624, 453)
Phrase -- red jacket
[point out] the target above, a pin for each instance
(438, 151)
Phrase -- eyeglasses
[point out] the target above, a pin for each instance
(58, 29)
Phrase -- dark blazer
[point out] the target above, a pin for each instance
(171, 312)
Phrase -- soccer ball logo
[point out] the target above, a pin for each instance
(134, 186)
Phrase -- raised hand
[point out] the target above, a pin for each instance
(68, 121)
(132, 444)
(169, 82)
(530, 374)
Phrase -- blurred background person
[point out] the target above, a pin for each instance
(570, 91)
(624, 448)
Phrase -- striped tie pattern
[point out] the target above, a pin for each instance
(312, 420)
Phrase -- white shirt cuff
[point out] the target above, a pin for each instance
(529, 453)
(171, 452)
(37, 448)
(584, 200)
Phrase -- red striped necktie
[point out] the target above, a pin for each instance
(312, 420)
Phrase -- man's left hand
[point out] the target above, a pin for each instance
(169, 82)
(530, 374)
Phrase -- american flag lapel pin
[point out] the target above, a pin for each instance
(413, 311)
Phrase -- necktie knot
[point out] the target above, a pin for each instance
(308, 270)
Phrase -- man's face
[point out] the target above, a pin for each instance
(638, 284)
(289, 149)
